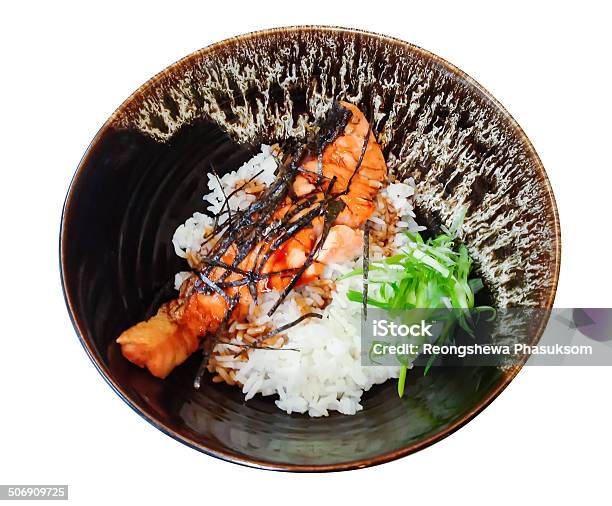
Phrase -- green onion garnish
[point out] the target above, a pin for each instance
(432, 274)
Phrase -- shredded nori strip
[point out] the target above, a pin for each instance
(225, 197)
(197, 381)
(252, 347)
(212, 285)
(366, 267)
(364, 148)
(331, 127)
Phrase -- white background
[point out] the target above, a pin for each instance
(65, 68)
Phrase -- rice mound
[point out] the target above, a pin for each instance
(316, 367)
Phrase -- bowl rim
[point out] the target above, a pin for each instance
(238, 458)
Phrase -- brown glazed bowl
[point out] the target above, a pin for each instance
(144, 174)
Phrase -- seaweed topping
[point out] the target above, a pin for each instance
(255, 228)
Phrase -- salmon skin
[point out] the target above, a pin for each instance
(310, 216)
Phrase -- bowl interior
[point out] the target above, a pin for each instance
(145, 173)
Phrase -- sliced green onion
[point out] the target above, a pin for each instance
(401, 382)
(432, 274)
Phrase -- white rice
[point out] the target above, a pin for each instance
(400, 196)
(324, 373)
(260, 169)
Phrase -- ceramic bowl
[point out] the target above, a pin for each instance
(144, 174)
